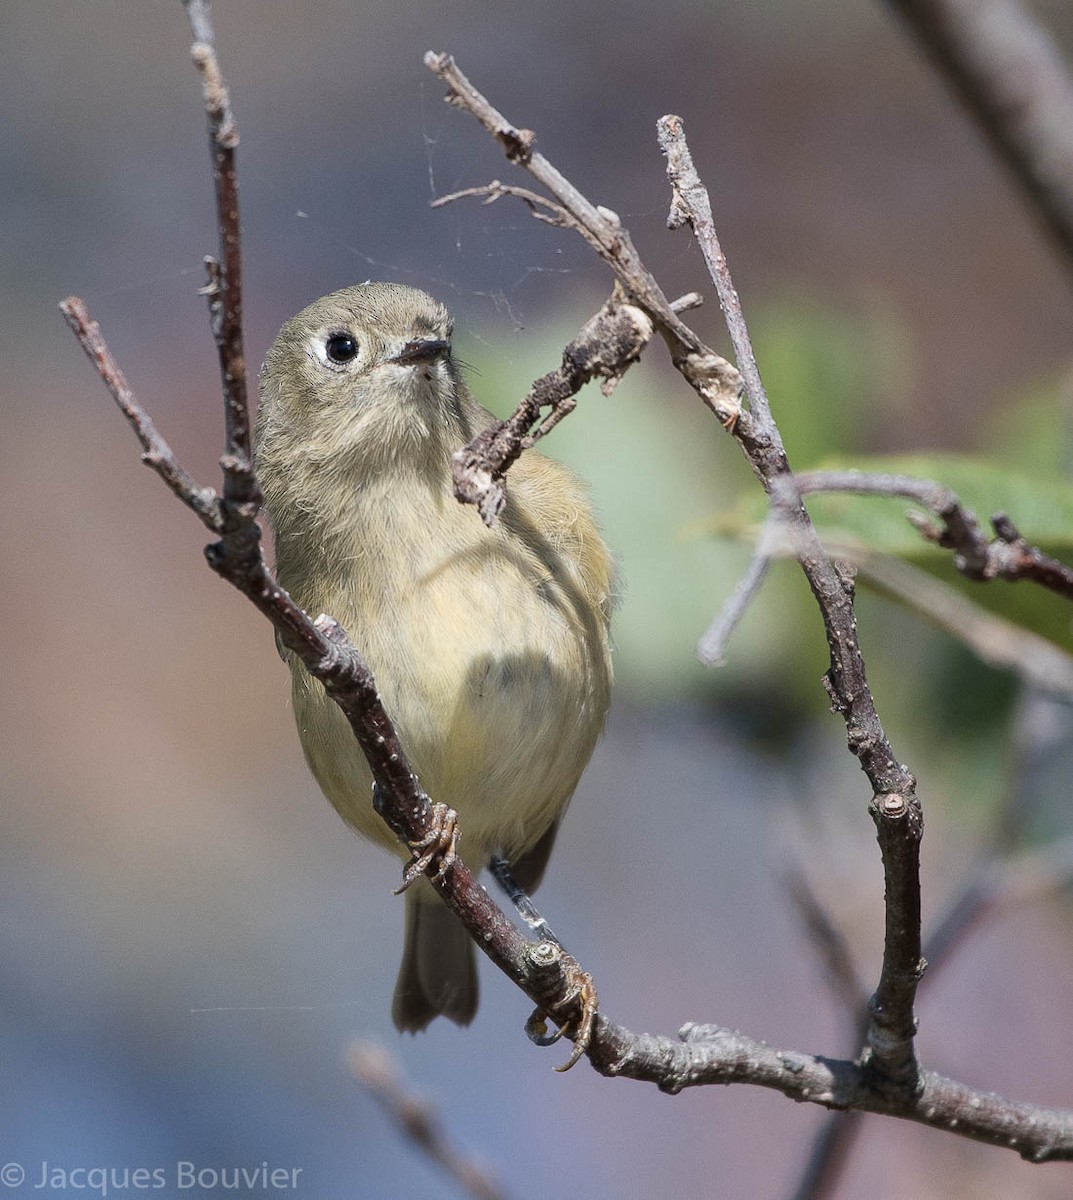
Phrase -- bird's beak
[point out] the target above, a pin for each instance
(424, 350)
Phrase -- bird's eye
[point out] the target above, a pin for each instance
(340, 348)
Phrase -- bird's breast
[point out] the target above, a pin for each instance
(485, 653)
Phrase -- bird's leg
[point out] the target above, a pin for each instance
(578, 998)
(527, 910)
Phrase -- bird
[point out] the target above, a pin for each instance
(490, 647)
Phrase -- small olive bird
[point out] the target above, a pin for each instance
(489, 646)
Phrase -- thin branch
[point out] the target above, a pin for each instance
(712, 646)
(1007, 556)
(224, 286)
(156, 452)
(691, 206)
(605, 347)
(1008, 73)
(540, 206)
(1022, 561)
(417, 1119)
(710, 1054)
(715, 380)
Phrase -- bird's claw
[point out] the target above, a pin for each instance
(441, 842)
(580, 1002)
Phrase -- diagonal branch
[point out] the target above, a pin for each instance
(417, 1119)
(715, 380)
(156, 452)
(605, 347)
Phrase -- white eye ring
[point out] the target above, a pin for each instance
(336, 349)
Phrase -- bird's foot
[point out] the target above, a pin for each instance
(440, 843)
(573, 1008)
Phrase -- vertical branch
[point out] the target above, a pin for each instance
(224, 287)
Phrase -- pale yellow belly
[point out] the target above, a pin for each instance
(497, 686)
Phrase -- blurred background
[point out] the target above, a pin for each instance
(190, 937)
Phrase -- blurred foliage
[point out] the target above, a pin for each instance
(929, 685)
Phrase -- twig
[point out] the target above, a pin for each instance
(605, 347)
(691, 206)
(540, 206)
(715, 380)
(156, 452)
(1036, 660)
(224, 287)
(1010, 76)
(1007, 556)
(713, 643)
(417, 1119)
(1022, 561)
